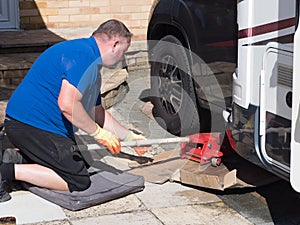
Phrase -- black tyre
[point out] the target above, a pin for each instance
(173, 94)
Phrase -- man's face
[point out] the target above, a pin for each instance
(116, 55)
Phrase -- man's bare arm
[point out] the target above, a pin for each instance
(69, 102)
(108, 122)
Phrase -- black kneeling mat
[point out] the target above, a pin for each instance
(105, 186)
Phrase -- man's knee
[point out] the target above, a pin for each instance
(80, 184)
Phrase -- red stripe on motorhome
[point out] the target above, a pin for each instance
(224, 44)
(267, 28)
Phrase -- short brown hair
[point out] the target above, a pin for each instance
(113, 28)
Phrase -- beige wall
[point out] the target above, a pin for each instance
(52, 14)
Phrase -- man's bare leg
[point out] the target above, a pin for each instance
(40, 176)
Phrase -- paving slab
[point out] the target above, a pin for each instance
(134, 218)
(204, 214)
(172, 194)
(58, 222)
(126, 204)
(29, 208)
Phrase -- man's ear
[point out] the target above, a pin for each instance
(115, 42)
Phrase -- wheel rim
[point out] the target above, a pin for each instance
(170, 85)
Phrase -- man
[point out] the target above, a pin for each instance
(59, 95)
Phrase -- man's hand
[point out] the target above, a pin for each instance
(107, 139)
(131, 136)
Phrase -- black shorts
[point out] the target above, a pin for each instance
(50, 150)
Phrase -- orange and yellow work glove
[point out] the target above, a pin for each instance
(107, 139)
(131, 136)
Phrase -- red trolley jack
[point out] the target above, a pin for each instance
(203, 148)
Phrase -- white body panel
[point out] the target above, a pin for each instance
(267, 79)
(295, 137)
(277, 57)
(275, 85)
(253, 15)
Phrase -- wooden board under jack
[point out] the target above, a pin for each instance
(234, 172)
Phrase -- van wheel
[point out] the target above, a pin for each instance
(173, 94)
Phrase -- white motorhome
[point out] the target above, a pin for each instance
(266, 99)
(239, 57)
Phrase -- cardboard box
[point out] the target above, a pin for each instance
(234, 172)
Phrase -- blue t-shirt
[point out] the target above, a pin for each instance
(35, 101)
